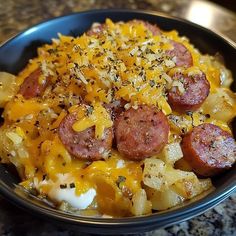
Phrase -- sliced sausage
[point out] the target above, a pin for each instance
(31, 87)
(151, 27)
(209, 149)
(141, 133)
(84, 145)
(180, 54)
(195, 90)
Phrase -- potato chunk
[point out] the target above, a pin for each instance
(158, 175)
(141, 206)
(167, 187)
(171, 153)
(153, 173)
(221, 105)
(163, 200)
(8, 87)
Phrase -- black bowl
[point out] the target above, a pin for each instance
(15, 54)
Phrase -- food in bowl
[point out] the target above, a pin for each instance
(121, 121)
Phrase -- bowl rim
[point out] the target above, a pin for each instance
(94, 11)
(173, 216)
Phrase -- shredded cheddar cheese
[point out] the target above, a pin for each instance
(95, 115)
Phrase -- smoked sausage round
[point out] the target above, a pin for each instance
(209, 150)
(141, 132)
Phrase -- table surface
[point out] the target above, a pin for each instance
(16, 15)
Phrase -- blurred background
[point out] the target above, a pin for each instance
(230, 4)
(16, 15)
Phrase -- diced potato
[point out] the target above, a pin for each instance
(173, 175)
(13, 149)
(189, 188)
(158, 175)
(205, 184)
(221, 105)
(171, 153)
(141, 206)
(153, 173)
(226, 78)
(8, 87)
(7, 145)
(177, 193)
(163, 200)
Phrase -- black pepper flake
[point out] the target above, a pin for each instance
(141, 73)
(76, 64)
(120, 180)
(152, 83)
(148, 50)
(63, 186)
(89, 110)
(213, 144)
(189, 113)
(116, 78)
(183, 130)
(99, 54)
(36, 123)
(62, 106)
(110, 59)
(44, 177)
(52, 50)
(64, 163)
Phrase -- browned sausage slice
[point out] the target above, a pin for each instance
(151, 27)
(31, 87)
(141, 133)
(84, 145)
(180, 54)
(195, 90)
(209, 149)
